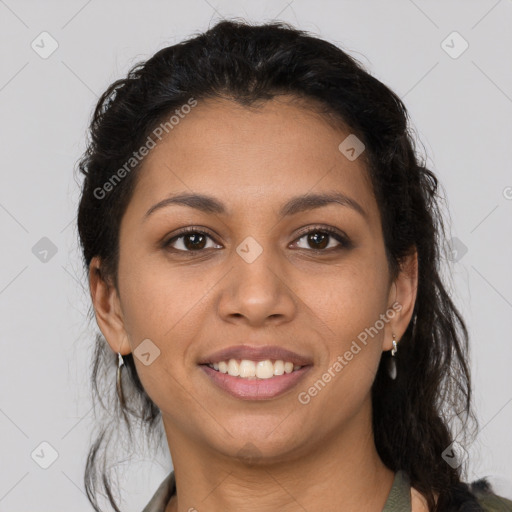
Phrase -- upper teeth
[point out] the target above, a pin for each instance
(246, 368)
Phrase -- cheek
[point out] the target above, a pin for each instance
(158, 310)
(349, 298)
(157, 303)
(353, 310)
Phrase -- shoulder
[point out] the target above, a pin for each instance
(494, 503)
(162, 495)
(463, 497)
(489, 501)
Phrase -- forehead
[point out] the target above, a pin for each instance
(265, 154)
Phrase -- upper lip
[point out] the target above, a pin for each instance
(256, 354)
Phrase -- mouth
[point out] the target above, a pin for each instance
(255, 373)
(247, 369)
(249, 380)
(256, 354)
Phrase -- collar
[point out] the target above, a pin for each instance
(399, 498)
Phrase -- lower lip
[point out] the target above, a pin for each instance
(255, 389)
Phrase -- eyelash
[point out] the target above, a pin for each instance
(344, 241)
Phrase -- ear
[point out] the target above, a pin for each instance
(401, 300)
(107, 309)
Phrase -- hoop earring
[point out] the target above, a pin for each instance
(119, 386)
(392, 361)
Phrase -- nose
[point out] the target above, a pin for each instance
(257, 293)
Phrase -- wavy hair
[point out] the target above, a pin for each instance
(416, 415)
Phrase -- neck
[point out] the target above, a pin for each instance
(344, 470)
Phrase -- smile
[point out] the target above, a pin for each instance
(247, 385)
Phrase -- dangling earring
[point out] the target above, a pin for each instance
(120, 363)
(392, 361)
(394, 350)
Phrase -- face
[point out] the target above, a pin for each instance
(260, 267)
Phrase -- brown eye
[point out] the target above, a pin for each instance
(320, 239)
(194, 241)
(190, 240)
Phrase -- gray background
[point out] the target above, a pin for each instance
(461, 108)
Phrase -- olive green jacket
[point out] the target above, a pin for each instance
(399, 498)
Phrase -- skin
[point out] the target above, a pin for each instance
(190, 304)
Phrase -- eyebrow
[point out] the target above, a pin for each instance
(209, 204)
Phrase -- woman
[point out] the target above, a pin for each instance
(263, 247)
